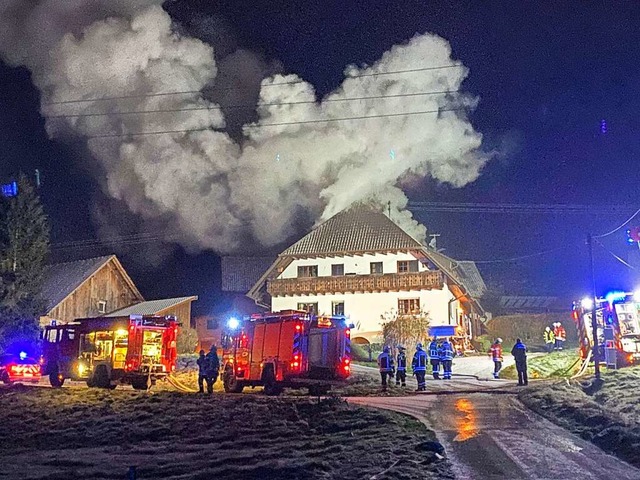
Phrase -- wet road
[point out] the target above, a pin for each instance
(490, 436)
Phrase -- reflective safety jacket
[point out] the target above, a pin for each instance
(433, 350)
(446, 352)
(496, 352)
(402, 362)
(419, 362)
(549, 336)
(561, 334)
(385, 362)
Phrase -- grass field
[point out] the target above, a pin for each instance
(552, 365)
(88, 433)
(608, 414)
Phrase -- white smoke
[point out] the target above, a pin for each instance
(216, 192)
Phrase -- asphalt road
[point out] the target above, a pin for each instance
(491, 436)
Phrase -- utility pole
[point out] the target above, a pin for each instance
(594, 320)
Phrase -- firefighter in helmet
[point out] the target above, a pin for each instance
(212, 368)
(202, 366)
(385, 365)
(419, 367)
(549, 339)
(434, 358)
(446, 358)
(401, 367)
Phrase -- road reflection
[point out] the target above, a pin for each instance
(466, 421)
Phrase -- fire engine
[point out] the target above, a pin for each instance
(286, 349)
(618, 328)
(107, 351)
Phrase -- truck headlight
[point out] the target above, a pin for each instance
(81, 368)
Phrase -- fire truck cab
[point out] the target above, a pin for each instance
(286, 349)
(618, 328)
(107, 351)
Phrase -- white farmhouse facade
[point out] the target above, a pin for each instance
(360, 264)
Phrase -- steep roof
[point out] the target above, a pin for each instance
(361, 229)
(62, 279)
(358, 229)
(150, 307)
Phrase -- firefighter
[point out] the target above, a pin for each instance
(519, 352)
(496, 356)
(202, 362)
(401, 367)
(385, 365)
(446, 358)
(561, 336)
(435, 358)
(549, 339)
(212, 368)
(419, 367)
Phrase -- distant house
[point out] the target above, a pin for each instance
(101, 287)
(360, 264)
(86, 288)
(179, 307)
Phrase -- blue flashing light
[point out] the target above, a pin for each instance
(10, 189)
(233, 323)
(615, 296)
(23, 355)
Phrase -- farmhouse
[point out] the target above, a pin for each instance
(360, 264)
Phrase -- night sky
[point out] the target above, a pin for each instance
(547, 76)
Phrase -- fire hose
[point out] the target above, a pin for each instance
(179, 385)
(584, 366)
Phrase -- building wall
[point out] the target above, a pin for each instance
(365, 309)
(106, 284)
(358, 264)
(182, 312)
(209, 330)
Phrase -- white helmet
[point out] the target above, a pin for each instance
(419, 345)
(498, 340)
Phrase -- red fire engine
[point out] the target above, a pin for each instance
(107, 351)
(618, 328)
(286, 349)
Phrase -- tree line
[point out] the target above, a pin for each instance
(24, 250)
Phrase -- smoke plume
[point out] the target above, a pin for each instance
(213, 190)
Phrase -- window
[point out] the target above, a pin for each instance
(102, 306)
(376, 267)
(405, 266)
(306, 271)
(212, 324)
(337, 270)
(408, 306)
(337, 308)
(311, 308)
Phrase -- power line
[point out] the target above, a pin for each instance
(275, 104)
(292, 82)
(614, 255)
(523, 257)
(513, 208)
(279, 124)
(617, 228)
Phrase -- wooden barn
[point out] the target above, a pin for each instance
(101, 287)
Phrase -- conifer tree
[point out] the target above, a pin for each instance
(24, 247)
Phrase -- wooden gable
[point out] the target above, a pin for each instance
(107, 289)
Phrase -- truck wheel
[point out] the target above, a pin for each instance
(5, 378)
(56, 379)
(141, 383)
(231, 383)
(101, 377)
(318, 390)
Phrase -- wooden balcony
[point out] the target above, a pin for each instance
(388, 282)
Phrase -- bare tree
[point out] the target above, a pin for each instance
(405, 329)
